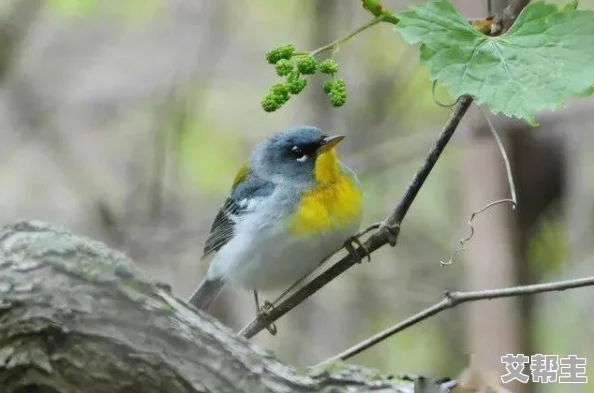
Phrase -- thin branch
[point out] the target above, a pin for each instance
(516, 7)
(503, 21)
(402, 209)
(387, 233)
(358, 235)
(453, 299)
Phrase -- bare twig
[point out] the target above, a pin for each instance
(402, 209)
(453, 299)
(387, 233)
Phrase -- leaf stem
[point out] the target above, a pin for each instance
(335, 44)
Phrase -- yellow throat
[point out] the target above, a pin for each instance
(335, 200)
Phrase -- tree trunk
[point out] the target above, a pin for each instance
(494, 328)
(76, 316)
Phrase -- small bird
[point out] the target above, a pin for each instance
(291, 206)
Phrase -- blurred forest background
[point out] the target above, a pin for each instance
(126, 121)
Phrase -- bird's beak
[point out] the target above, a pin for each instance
(330, 141)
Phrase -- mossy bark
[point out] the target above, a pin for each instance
(76, 316)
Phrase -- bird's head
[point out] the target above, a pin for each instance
(300, 156)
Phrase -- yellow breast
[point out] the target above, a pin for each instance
(336, 201)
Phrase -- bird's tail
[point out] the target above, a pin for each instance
(207, 292)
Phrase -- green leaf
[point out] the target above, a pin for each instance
(546, 56)
(572, 5)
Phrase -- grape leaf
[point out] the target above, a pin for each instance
(546, 56)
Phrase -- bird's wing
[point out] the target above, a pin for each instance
(247, 192)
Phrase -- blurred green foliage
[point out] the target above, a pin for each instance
(213, 165)
(412, 351)
(127, 11)
(208, 153)
(548, 248)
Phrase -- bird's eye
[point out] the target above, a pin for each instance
(299, 154)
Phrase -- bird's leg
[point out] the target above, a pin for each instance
(349, 247)
(264, 313)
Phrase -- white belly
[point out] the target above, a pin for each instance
(274, 259)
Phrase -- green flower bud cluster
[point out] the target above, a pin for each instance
(279, 53)
(307, 65)
(296, 86)
(284, 67)
(336, 90)
(291, 65)
(329, 66)
(280, 92)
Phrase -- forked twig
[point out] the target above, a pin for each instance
(453, 299)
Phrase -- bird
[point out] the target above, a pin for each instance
(292, 205)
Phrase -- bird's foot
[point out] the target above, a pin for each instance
(360, 253)
(264, 314)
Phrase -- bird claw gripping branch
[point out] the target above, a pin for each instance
(355, 252)
(264, 314)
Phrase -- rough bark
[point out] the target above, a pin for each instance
(76, 316)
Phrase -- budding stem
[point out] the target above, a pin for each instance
(335, 44)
